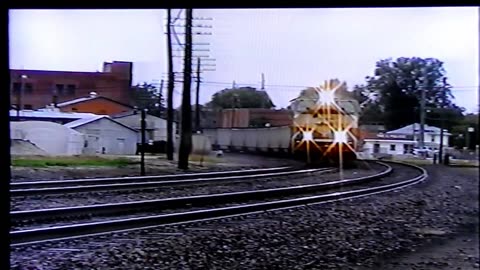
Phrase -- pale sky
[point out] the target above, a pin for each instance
(294, 48)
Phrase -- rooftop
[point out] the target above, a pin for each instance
(415, 128)
(48, 113)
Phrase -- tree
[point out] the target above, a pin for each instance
(243, 97)
(148, 96)
(460, 129)
(397, 87)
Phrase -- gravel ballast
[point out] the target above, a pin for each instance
(357, 234)
(21, 203)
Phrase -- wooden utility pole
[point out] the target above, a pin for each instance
(422, 112)
(440, 151)
(142, 157)
(160, 96)
(186, 127)
(197, 97)
(171, 84)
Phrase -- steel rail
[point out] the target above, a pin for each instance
(156, 184)
(33, 236)
(130, 179)
(190, 201)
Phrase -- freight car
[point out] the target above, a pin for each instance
(324, 129)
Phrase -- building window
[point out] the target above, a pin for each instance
(376, 148)
(406, 149)
(28, 107)
(433, 138)
(392, 147)
(59, 89)
(71, 89)
(28, 88)
(16, 86)
(74, 110)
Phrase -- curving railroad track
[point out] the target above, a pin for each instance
(199, 208)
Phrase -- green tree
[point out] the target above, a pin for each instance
(398, 86)
(148, 96)
(243, 97)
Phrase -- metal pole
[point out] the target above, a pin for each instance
(142, 159)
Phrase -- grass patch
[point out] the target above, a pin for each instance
(42, 161)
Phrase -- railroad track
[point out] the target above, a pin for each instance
(146, 182)
(249, 202)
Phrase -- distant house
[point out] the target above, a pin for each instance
(156, 127)
(431, 135)
(104, 135)
(390, 144)
(402, 140)
(52, 138)
(94, 104)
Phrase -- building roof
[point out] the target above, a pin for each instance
(91, 97)
(45, 113)
(84, 121)
(415, 128)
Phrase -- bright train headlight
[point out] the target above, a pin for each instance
(326, 97)
(307, 135)
(340, 137)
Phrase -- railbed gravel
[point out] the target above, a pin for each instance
(142, 213)
(21, 203)
(353, 234)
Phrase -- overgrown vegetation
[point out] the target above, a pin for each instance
(43, 161)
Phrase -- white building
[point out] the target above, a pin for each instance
(53, 138)
(156, 127)
(402, 141)
(378, 144)
(106, 136)
(431, 135)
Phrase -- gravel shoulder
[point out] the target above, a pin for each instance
(377, 232)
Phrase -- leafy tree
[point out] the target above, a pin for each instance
(148, 96)
(460, 129)
(243, 97)
(398, 85)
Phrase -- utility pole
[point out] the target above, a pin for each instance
(197, 97)
(422, 112)
(171, 85)
(20, 95)
(142, 157)
(160, 96)
(186, 128)
(263, 82)
(440, 151)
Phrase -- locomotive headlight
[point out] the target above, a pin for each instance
(326, 97)
(307, 135)
(340, 137)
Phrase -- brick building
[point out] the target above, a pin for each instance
(254, 117)
(43, 87)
